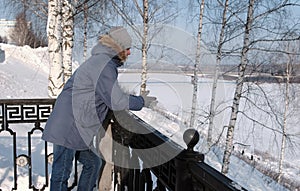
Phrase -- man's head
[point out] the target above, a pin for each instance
(119, 40)
(121, 37)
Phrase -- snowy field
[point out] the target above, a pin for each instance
(24, 74)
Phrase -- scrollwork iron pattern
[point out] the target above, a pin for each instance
(26, 111)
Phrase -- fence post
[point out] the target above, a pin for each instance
(183, 176)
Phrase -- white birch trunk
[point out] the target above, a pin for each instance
(238, 90)
(144, 46)
(85, 31)
(67, 34)
(196, 65)
(284, 126)
(212, 111)
(56, 78)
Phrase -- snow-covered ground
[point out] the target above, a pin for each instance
(24, 74)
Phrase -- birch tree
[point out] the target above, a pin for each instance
(60, 43)
(60, 15)
(68, 11)
(196, 66)
(291, 58)
(238, 89)
(265, 34)
(56, 72)
(212, 109)
(278, 109)
(90, 18)
(156, 15)
(284, 126)
(85, 15)
(144, 14)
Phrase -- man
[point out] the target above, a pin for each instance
(82, 106)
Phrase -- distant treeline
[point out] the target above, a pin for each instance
(278, 70)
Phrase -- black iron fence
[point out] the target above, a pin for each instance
(23, 112)
(186, 171)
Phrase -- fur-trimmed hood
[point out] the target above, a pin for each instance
(106, 40)
(108, 46)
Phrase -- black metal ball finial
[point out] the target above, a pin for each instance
(191, 138)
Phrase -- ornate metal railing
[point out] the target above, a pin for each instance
(187, 171)
(24, 112)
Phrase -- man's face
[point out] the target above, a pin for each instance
(127, 52)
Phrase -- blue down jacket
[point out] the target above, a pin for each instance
(87, 96)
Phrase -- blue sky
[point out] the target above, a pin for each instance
(181, 22)
(5, 14)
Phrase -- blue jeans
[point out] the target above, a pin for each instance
(62, 168)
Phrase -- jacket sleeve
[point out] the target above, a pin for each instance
(109, 91)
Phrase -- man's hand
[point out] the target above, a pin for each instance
(149, 101)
